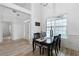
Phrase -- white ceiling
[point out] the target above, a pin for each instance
(9, 15)
(24, 5)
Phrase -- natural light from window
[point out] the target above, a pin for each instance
(59, 26)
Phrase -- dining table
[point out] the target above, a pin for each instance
(45, 42)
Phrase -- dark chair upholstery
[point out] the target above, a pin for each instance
(59, 41)
(54, 46)
(36, 37)
(57, 44)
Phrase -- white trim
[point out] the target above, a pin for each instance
(16, 7)
(27, 20)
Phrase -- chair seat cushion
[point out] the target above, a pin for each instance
(40, 40)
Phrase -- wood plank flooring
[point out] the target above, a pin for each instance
(13, 48)
(23, 48)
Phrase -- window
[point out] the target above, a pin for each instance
(59, 27)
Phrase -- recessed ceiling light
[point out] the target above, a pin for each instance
(14, 11)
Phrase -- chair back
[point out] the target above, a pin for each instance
(55, 40)
(37, 35)
(59, 41)
(59, 36)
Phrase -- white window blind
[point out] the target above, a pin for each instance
(59, 26)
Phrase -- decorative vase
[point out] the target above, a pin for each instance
(51, 33)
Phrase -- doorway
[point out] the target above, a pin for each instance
(7, 31)
(27, 30)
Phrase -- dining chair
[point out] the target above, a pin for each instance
(53, 46)
(59, 42)
(36, 42)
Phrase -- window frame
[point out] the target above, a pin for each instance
(54, 19)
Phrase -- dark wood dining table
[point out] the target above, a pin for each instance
(48, 43)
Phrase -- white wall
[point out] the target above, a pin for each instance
(35, 17)
(6, 28)
(47, 11)
(18, 29)
(1, 33)
(27, 30)
(72, 12)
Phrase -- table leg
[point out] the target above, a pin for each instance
(40, 50)
(48, 50)
(51, 51)
(43, 50)
(33, 46)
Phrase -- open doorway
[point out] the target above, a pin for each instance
(27, 30)
(7, 31)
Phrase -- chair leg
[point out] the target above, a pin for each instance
(59, 48)
(48, 50)
(40, 50)
(51, 52)
(43, 50)
(33, 46)
(59, 45)
(56, 51)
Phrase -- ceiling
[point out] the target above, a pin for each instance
(24, 5)
(10, 14)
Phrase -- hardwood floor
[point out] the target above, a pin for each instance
(13, 48)
(23, 48)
